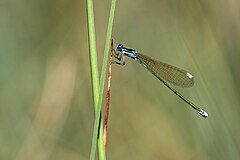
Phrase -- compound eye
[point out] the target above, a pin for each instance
(119, 47)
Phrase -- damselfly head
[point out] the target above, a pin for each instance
(119, 47)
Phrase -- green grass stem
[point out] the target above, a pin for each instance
(99, 99)
(93, 66)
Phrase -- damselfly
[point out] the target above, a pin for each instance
(164, 72)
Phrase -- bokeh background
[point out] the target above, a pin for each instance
(46, 109)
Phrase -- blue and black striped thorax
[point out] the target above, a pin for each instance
(128, 52)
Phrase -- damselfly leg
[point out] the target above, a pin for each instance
(119, 57)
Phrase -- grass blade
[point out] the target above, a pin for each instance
(102, 82)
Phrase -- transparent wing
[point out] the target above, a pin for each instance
(171, 74)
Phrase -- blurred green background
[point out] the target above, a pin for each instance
(46, 108)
